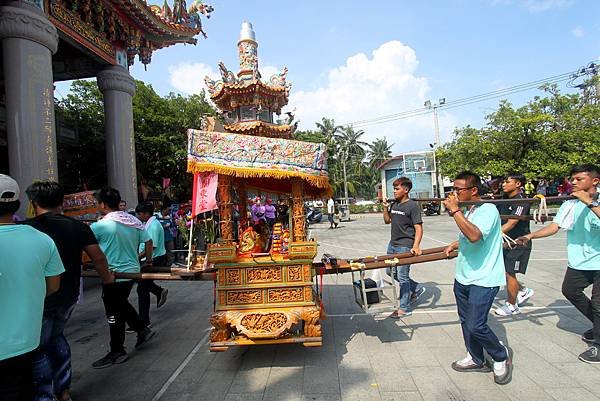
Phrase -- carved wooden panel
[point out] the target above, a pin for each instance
(222, 300)
(264, 275)
(264, 322)
(307, 273)
(280, 295)
(308, 293)
(234, 276)
(243, 297)
(294, 273)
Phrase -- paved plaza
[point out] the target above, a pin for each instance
(363, 357)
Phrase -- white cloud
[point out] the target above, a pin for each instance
(367, 87)
(578, 32)
(535, 6)
(189, 77)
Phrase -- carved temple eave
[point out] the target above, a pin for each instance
(119, 30)
(144, 16)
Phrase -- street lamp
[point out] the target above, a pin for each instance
(434, 106)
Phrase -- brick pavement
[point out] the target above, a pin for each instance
(364, 357)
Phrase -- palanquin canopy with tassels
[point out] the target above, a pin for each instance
(266, 163)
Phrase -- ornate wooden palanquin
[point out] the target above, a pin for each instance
(261, 298)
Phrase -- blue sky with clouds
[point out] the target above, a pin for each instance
(355, 60)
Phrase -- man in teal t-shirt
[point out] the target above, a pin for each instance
(479, 275)
(581, 219)
(119, 235)
(145, 212)
(30, 269)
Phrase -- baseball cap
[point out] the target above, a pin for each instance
(9, 189)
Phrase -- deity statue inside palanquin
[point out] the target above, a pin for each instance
(264, 235)
(282, 212)
(249, 242)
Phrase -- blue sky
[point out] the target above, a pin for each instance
(423, 50)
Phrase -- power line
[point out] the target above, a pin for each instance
(467, 100)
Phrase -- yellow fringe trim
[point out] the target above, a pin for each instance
(245, 172)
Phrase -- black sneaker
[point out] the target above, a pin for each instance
(110, 359)
(591, 355)
(129, 330)
(143, 337)
(160, 301)
(588, 336)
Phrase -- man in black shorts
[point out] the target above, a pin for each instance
(515, 259)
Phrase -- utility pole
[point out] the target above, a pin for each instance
(344, 157)
(436, 124)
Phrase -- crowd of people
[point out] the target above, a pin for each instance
(40, 273)
(40, 270)
(557, 187)
(484, 264)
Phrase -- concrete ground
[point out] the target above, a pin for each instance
(363, 357)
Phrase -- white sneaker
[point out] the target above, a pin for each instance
(467, 360)
(507, 310)
(524, 295)
(503, 370)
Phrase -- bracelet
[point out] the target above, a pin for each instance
(454, 212)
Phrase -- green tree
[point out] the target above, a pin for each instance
(160, 125)
(542, 139)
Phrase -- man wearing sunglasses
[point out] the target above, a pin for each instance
(479, 275)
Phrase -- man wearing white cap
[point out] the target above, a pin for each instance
(30, 269)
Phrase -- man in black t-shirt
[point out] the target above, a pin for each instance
(404, 215)
(515, 259)
(52, 360)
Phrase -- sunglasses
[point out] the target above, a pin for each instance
(457, 189)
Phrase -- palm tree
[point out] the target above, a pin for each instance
(350, 147)
(379, 151)
(328, 129)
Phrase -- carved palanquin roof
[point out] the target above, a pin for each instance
(228, 96)
(260, 128)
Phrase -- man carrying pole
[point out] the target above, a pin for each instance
(404, 215)
(479, 275)
(581, 219)
(515, 258)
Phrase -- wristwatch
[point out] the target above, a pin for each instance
(594, 204)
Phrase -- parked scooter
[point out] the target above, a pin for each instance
(313, 215)
(431, 208)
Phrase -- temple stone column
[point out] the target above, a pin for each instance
(28, 42)
(118, 88)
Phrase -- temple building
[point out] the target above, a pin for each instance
(46, 41)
